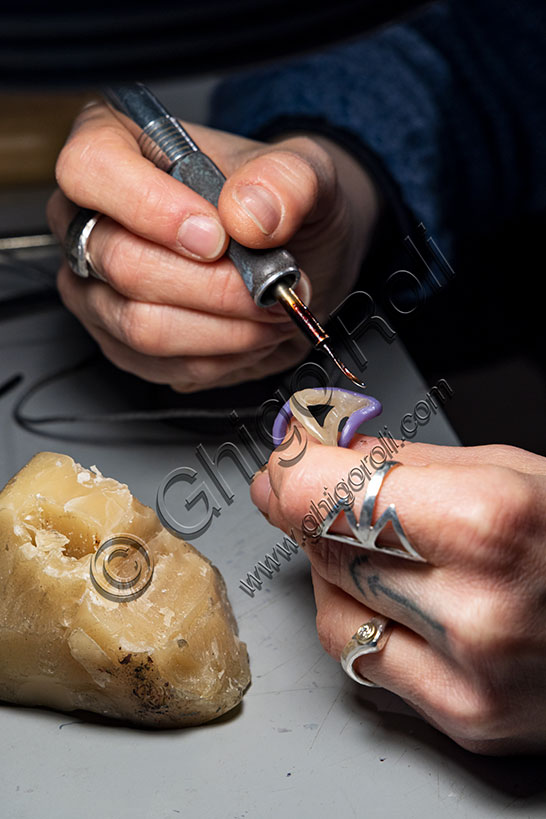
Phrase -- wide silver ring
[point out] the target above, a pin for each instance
(370, 638)
(364, 533)
(76, 241)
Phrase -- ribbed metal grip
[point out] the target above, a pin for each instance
(168, 145)
(259, 269)
(164, 142)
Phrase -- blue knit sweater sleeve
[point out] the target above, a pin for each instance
(452, 102)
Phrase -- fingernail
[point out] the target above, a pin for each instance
(260, 490)
(262, 206)
(201, 236)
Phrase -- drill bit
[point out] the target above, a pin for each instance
(306, 321)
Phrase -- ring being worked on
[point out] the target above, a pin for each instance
(76, 240)
(370, 638)
(341, 405)
(364, 534)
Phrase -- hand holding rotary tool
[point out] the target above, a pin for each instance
(175, 310)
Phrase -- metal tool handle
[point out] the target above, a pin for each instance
(168, 145)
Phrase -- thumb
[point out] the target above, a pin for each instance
(265, 201)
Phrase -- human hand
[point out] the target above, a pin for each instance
(173, 309)
(468, 646)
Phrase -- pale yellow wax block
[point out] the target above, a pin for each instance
(167, 656)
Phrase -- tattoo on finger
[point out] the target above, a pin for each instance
(373, 583)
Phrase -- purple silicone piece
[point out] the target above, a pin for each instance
(352, 423)
(357, 418)
(280, 424)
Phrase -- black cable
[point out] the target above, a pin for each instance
(23, 304)
(10, 384)
(30, 423)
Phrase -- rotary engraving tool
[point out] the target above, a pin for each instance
(269, 275)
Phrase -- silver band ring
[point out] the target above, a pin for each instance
(76, 241)
(364, 533)
(370, 638)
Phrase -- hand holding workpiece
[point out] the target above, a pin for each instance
(172, 308)
(467, 644)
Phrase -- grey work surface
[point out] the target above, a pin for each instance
(307, 741)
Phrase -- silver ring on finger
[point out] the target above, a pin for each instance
(76, 241)
(365, 534)
(370, 638)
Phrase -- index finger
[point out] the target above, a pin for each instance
(452, 513)
(101, 168)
